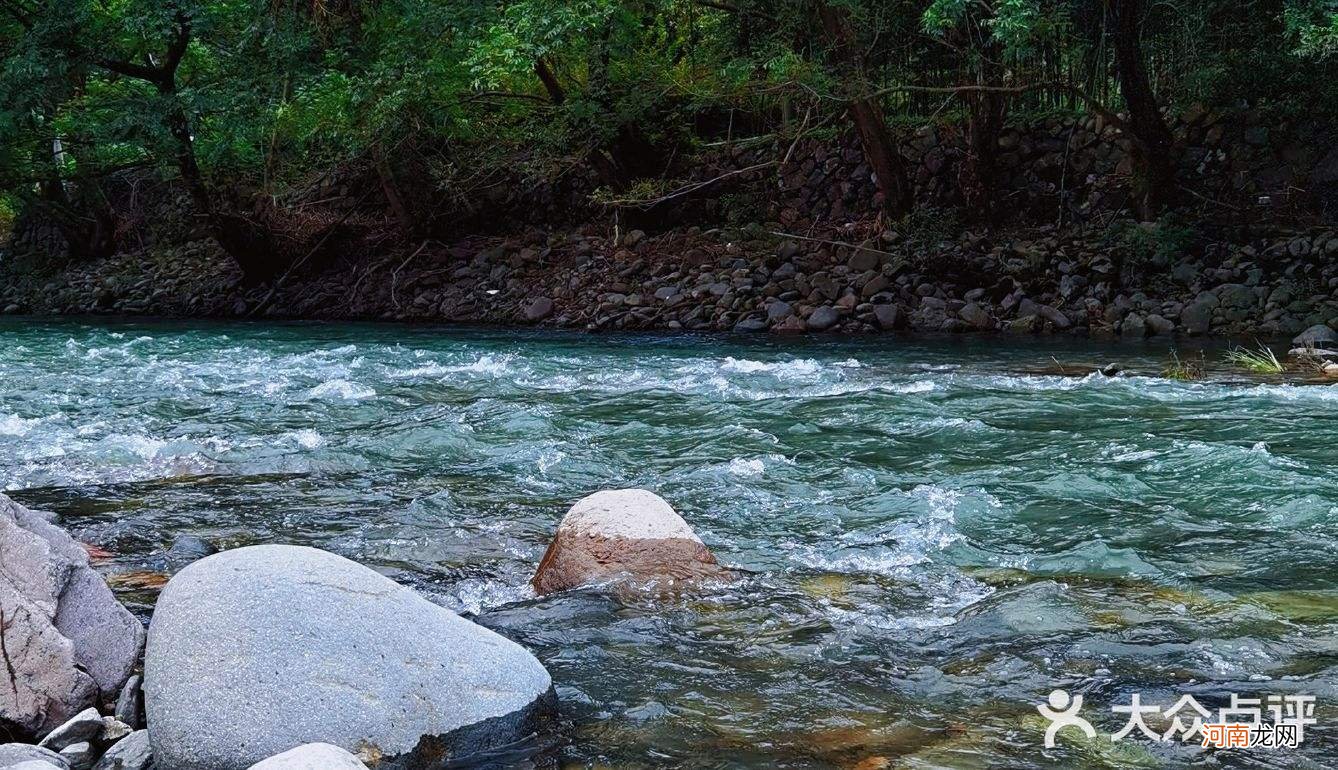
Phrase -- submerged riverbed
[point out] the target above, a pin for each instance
(937, 533)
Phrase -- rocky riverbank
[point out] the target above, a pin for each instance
(1073, 281)
(279, 657)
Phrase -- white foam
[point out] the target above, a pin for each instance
(493, 365)
(474, 595)
(740, 467)
(146, 447)
(13, 425)
(756, 466)
(341, 390)
(915, 386)
(799, 367)
(307, 438)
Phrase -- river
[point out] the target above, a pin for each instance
(935, 533)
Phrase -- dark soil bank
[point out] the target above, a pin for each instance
(795, 247)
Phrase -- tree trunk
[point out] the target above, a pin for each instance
(1154, 174)
(551, 85)
(879, 149)
(178, 126)
(242, 238)
(977, 177)
(608, 165)
(79, 212)
(391, 189)
(977, 174)
(606, 168)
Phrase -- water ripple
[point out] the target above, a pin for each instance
(930, 534)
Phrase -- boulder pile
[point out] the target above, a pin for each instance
(68, 644)
(272, 657)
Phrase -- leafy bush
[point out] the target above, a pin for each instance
(1159, 243)
(929, 224)
(7, 215)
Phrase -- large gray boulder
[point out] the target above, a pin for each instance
(620, 537)
(258, 650)
(313, 756)
(67, 641)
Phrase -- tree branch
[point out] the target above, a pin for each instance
(1092, 103)
(164, 76)
(130, 69)
(180, 42)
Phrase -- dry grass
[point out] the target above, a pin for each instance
(1183, 369)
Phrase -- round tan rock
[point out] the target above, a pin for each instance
(623, 536)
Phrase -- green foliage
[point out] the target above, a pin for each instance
(1261, 360)
(1017, 25)
(930, 225)
(276, 93)
(1160, 243)
(1313, 27)
(7, 216)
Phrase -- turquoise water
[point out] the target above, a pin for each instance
(935, 534)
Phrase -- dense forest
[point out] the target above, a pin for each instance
(246, 103)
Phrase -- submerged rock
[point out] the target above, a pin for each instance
(68, 642)
(188, 548)
(257, 650)
(312, 756)
(623, 535)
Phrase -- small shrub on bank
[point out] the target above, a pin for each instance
(1184, 370)
(930, 224)
(7, 216)
(1159, 244)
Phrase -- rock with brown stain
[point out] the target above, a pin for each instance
(138, 580)
(624, 537)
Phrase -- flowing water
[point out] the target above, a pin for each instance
(935, 534)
